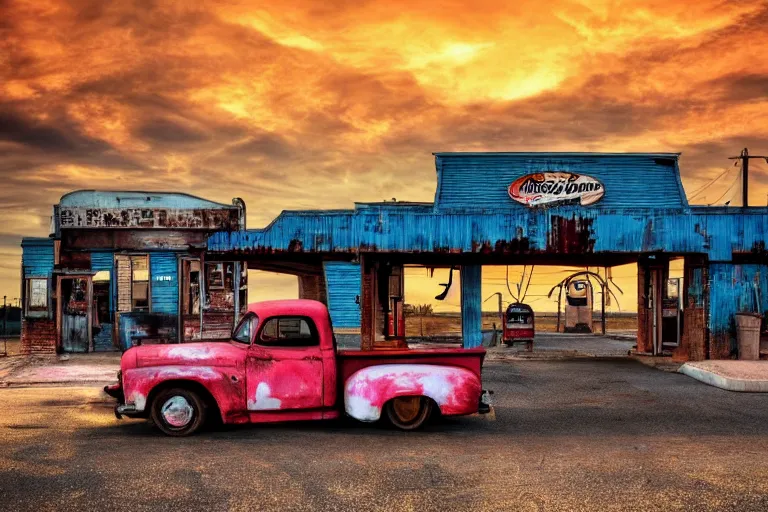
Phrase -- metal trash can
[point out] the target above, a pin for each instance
(748, 336)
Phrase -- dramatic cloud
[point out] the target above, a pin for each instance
(304, 104)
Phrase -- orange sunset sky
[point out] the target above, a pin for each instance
(310, 104)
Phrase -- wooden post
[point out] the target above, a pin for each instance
(604, 289)
(366, 304)
(471, 301)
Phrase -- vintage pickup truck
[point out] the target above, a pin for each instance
(282, 364)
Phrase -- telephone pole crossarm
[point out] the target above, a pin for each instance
(744, 157)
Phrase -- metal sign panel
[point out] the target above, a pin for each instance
(547, 188)
(147, 218)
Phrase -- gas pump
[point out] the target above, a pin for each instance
(578, 306)
(391, 288)
(671, 315)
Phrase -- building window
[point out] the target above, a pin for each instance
(37, 295)
(132, 279)
(140, 283)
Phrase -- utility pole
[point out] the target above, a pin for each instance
(5, 316)
(744, 157)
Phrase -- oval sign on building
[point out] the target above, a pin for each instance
(556, 187)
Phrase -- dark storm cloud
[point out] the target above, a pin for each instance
(742, 86)
(15, 128)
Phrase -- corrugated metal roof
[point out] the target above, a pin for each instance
(137, 199)
(644, 209)
(410, 205)
(481, 180)
(554, 153)
(566, 230)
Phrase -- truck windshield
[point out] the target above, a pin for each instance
(244, 331)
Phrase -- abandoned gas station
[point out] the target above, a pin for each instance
(574, 209)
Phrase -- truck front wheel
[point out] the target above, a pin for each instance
(408, 412)
(178, 412)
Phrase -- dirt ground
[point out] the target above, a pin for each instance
(441, 325)
(569, 435)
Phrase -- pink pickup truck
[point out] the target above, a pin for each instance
(282, 365)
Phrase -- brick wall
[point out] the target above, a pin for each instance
(38, 336)
(123, 271)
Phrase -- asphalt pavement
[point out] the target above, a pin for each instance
(583, 434)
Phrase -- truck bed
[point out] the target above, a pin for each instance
(350, 361)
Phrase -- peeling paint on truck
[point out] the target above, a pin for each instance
(454, 390)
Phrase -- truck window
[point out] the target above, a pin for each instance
(245, 330)
(289, 331)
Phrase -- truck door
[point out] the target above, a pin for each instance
(284, 366)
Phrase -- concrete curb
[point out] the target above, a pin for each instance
(28, 384)
(727, 383)
(551, 355)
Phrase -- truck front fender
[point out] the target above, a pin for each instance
(226, 386)
(456, 391)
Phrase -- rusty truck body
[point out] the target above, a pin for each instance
(282, 364)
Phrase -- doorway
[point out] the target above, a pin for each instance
(74, 313)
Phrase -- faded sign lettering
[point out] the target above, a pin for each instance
(549, 188)
(147, 218)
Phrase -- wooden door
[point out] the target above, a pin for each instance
(75, 295)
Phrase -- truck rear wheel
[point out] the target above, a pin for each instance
(408, 412)
(178, 412)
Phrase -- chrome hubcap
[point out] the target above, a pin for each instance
(177, 412)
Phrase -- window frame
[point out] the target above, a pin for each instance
(246, 318)
(30, 310)
(315, 333)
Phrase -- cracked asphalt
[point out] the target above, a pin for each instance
(569, 435)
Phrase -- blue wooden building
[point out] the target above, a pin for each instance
(596, 209)
(124, 267)
(183, 258)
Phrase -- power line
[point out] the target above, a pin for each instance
(701, 189)
(528, 284)
(508, 288)
(726, 192)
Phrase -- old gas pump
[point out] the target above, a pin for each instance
(391, 288)
(671, 315)
(578, 306)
